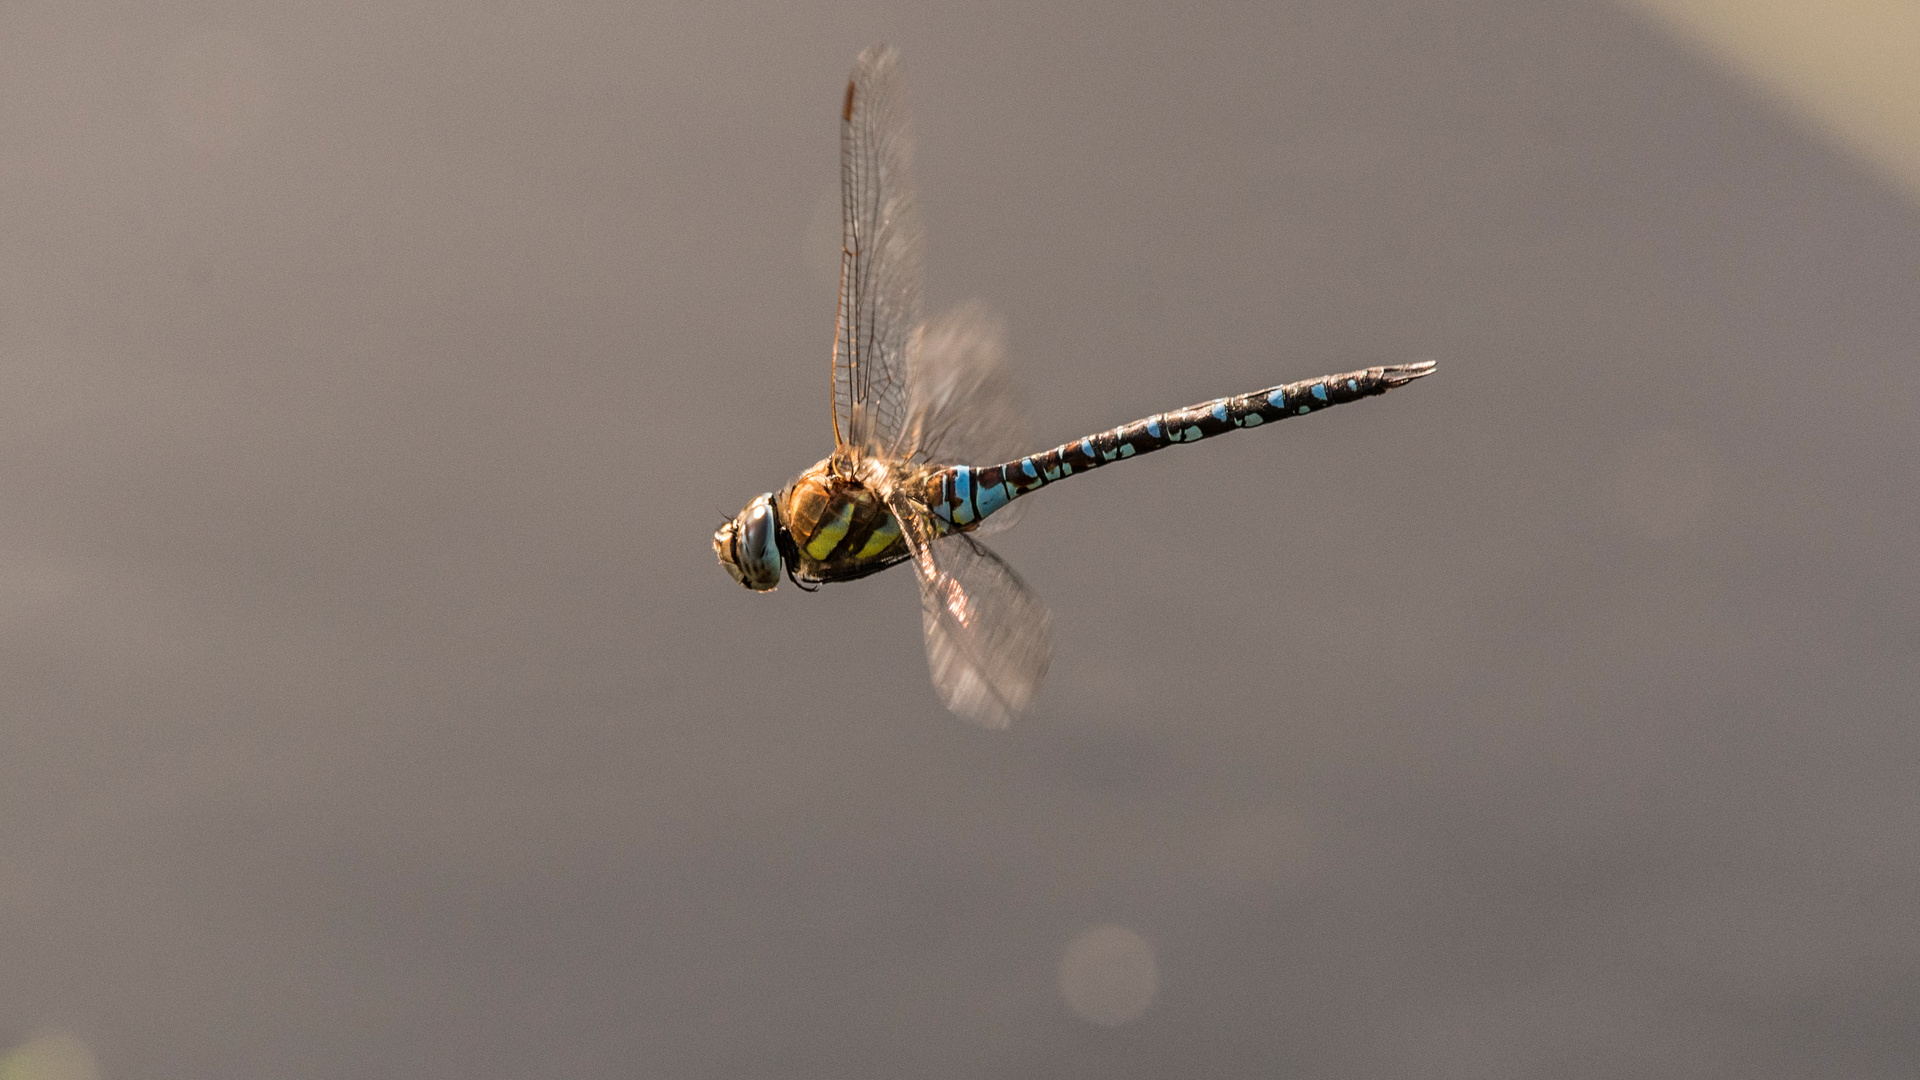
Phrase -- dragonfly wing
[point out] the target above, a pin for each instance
(988, 636)
(879, 258)
(962, 405)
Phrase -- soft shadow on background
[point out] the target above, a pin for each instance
(372, 376)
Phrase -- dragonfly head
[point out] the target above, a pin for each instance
(749, 546)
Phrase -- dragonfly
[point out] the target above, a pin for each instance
(926, 429)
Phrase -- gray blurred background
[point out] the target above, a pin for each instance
(373, 375)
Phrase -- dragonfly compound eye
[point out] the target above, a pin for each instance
(748, 548)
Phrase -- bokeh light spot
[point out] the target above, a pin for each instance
(1107, 975)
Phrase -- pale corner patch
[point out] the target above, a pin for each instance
(54, 1056)
(1850, 66)
(1107, 975)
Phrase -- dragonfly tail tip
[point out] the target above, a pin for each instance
(1402, 374)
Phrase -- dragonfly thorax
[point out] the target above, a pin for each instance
(824, 526)
(837, 528)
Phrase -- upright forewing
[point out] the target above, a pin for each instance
(988, 642)
(879, 257)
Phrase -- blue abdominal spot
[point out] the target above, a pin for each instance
(989, 499)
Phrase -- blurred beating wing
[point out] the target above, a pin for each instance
(988, 642)
(879, 258)
(962, 405)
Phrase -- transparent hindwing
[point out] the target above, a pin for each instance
(988, 637)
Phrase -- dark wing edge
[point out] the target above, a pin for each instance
(881, 240)
(989, 638)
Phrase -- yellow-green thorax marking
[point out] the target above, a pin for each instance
(838, 528)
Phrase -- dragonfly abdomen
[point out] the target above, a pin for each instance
(968, 494)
